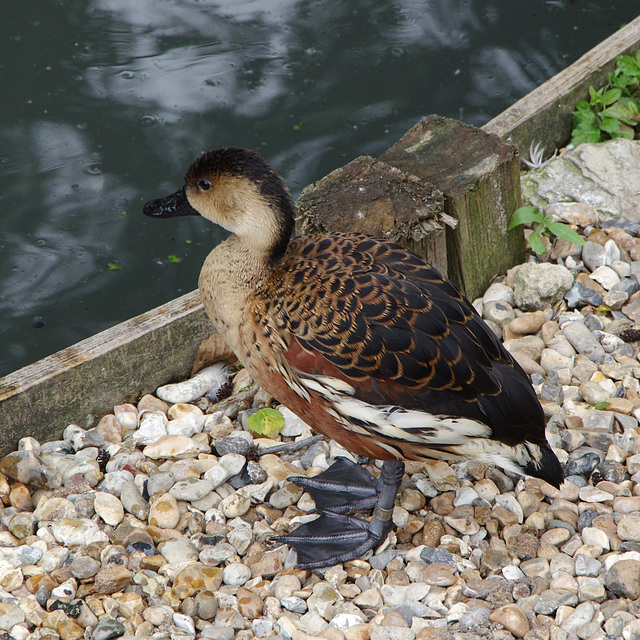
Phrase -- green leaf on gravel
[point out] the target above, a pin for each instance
(266, 422)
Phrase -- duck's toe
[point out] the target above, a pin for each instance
(333, 539)
(343, 487)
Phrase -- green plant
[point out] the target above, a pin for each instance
(542, 225)
(612, 111)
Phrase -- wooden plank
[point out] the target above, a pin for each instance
(545, 114)
(367, 196)
(480, 178)
(84, 381)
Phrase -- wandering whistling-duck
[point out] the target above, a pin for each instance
(363, 340)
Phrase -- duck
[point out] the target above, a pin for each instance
(365, 341)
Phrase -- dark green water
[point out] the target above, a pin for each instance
(106, 102)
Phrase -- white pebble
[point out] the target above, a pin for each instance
(196, 387)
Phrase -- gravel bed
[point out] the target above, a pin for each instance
(156, 522)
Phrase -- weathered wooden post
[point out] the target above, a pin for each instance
(480, 178)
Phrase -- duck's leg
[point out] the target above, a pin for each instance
(333, 538)
(345, 486)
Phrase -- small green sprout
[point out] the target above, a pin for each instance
(113, 266)
(174, 259)
(542, 225)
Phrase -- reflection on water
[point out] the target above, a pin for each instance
(105, 103)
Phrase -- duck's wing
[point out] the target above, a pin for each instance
(378, 317)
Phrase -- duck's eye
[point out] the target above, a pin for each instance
(205, 185)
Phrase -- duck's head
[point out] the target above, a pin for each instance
(238, 190)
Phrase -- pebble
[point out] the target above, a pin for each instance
(164, 512)
(109, 508)
(538, 286)
(511, 617)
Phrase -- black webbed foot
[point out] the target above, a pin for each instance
(343, 487)
(333, 538)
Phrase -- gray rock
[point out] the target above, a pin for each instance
(580, 296)
(632, 228)
(583, 465)
(551, 393)
(160, 482)
(586, 566)
(623, 579)
(499, 312)
(583, 341)
(107, 628)
(191, 489)
(593, 323)
(294, 604)
(132, 500)
(593, 393)
(551, 599)
(602, 175)
(593, 255)
(84, 567)
(538, 286)
(615, 299)
(232, 444)
(581, 615)
(381, 560)
(599, 420)
(178, 550)
(627, 285)
(430, 555)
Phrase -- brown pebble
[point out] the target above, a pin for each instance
(65, 626)
(20, 497)
(412, 500)
(524, 546)
(511, 617)
(249, 603)
(196, 578)
(110, 429)
(358, 632)
(394, 619)
(206, 605)
(151, 403)
(442, 504)
(268, 565)
(399, 577)
(528, 323)
(432, 532)
(439, 574)
(228, 617)
(112, 578)
(34, 583)
(504, 516)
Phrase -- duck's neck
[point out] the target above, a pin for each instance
(264, 231)
(229, 278)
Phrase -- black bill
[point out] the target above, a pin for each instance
(170, 206)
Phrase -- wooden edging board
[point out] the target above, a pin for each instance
(84, 381)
